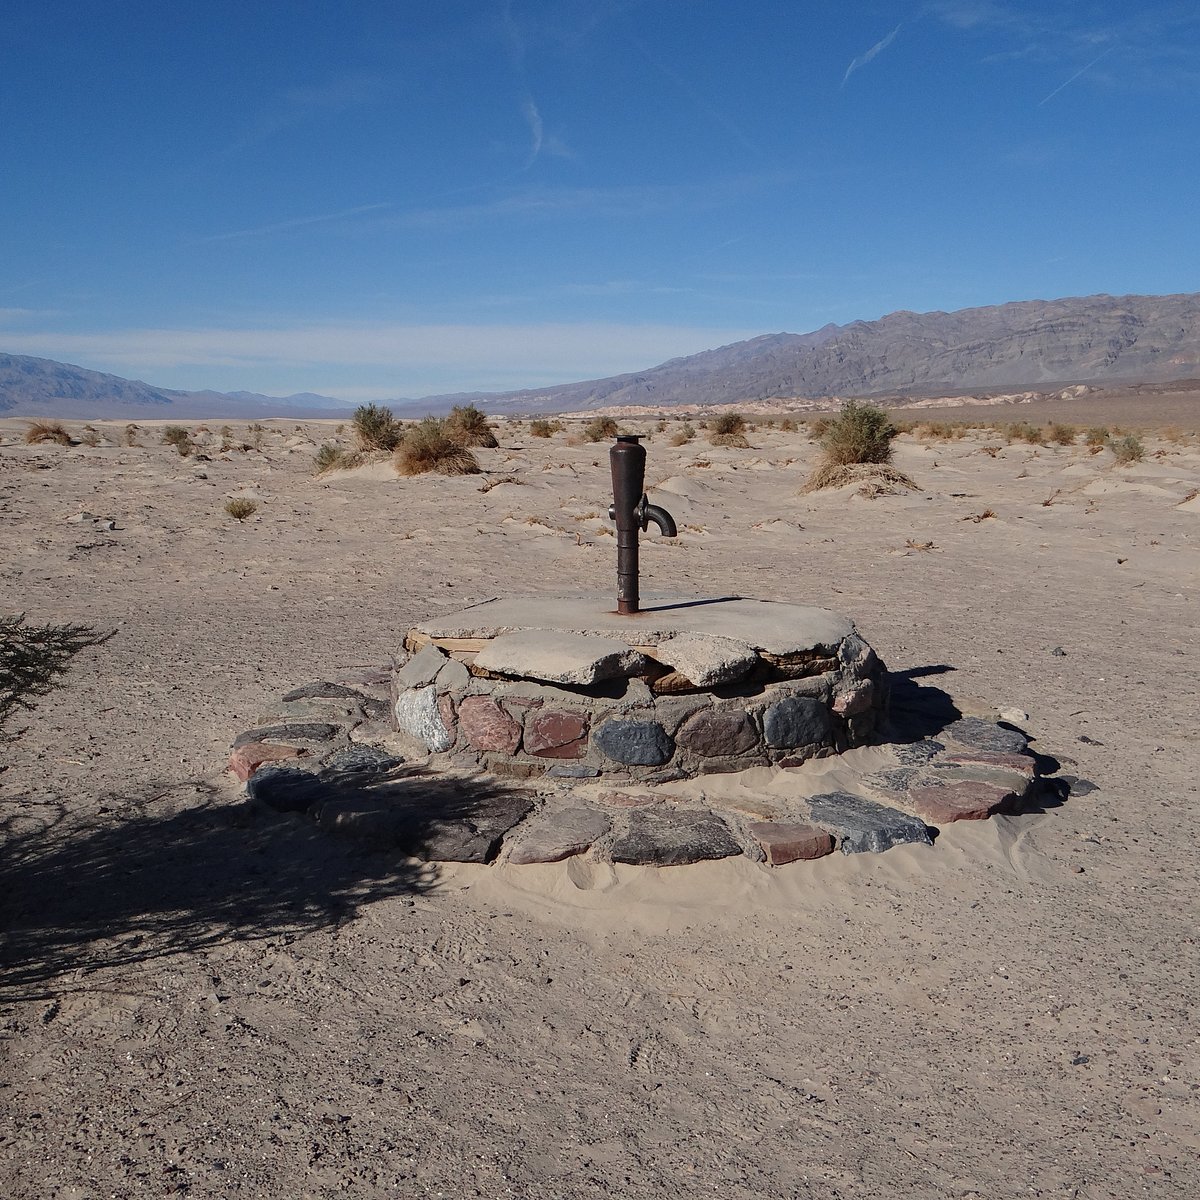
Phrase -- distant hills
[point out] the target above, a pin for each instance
(40, 387)
(1030, 344)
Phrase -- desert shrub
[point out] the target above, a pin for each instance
(468, 426)
(1129, 449)
(683, 435)
(333, 458)
(90, 436)
(31, 659)
(427, 446)
(48, 431)
(874, 479)
(376, 429)
(1096, 438)
(787, 425)
(1023, 431)
(860, 433)
(600, 428)
(131, 434)
(1060, 434)
(239, 508)
(818, 427)
(728, 429)
(177, 436)
(544, 429)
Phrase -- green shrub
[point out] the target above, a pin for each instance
(1061, 435)
(544, 429)
(860, 433)
(468, 426)
(1096, 439)
(376, 429)
(600, 428)
(332, 458)
(1129, 449)
(428, 446)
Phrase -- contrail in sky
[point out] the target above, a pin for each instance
(1077, 74)
(863, 59)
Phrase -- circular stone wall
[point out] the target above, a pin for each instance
(687, 687)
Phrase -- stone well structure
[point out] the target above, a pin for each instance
(564, 688)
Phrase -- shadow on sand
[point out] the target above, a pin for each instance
(188, 868)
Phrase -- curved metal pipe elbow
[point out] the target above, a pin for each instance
(663, 519)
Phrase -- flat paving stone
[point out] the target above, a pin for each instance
(790, 841)
(320, 690)
(246, 760)
(290, 731)
(473, 833)
(555, 656)
(965, 800)
(659, 837)
(862, 826)
(556, 834)
(706, 659)
(979, 734)
(285, 789)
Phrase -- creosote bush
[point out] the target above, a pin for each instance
(600, 428)
(376, 428)
(860, 433)
(131, 434)
(683, 435)
(468, 426)
(543, 429)
(428, 446)
(177, 436)
(1060, 434)
(334, 458)
(48, 431)
(1096, 439)
(239, 508)
(1129, 449)
(728, 429)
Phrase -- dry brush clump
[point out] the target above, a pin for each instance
(177, 436)
(599, 429)
(1128, 449)
(541, 428)
(728, 429)
(1060, 434)
(240, 508)
(469, 426)
(376, 429)
(857, 448)
(40, 432)
(683, 435)
(428, 447)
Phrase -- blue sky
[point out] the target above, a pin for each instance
(374, 200)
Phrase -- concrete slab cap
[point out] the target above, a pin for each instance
(777, 628)
(558, 657)
(706, 659)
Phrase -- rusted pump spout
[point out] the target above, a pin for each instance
(631, 510)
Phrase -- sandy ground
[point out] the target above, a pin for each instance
(203, 1001)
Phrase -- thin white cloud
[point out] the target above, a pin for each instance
(533, 118)
(877, 49)
(294, 223)
(1081, 71)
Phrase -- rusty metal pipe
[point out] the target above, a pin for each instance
(631, 510)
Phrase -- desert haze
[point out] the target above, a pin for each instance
(204, 999)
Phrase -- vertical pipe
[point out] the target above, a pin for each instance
(627, 458)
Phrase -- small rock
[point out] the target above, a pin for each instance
(556, 657)
(916, 754)
(319, 690)
(487, 726)
(718, 734)
(978, 734)
(636, 743)
(707, 659)
(286, 789)
(796, 721)
(300, 731)
(422, 669)
(673, 837)
(862, 826)
(1059, 652)
(1014, 716)
(557, 834)
(416, 714)
(785, 841)
(572, 771)
(556, 733)
(247, 759)
(964, 800)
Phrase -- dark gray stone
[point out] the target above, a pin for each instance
(355, 760)
(572, 771)
(664, 837)
(470, 833)
(287, 789)
(917, 754)
(892, 779)
(635, 743)
(985, 735)
(291, 731)
(862, 826)
(796, 721)
(322, 691)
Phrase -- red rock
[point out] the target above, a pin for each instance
(245, 760)
(487, 726)
(445, 707)
(966, 800)
(718, 734)
(786, 841)
(990, 758)
(857, 700)
(556, 733)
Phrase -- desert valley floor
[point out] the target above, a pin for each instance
(203, 1000)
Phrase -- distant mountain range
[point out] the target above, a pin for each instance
(1030, 344)
(39, 387)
